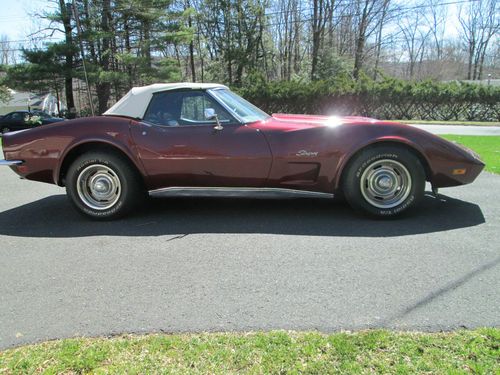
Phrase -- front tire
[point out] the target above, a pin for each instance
(384, 181)
(103, 186)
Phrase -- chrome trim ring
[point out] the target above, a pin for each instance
(98, 187)
(385, 183)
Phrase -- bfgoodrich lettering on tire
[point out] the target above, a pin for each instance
(103, 186)
(384, 181)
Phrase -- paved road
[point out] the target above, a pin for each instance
(222, 264)
(461, 130)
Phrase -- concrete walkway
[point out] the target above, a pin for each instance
(460, 129)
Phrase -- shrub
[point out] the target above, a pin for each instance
(389, 98)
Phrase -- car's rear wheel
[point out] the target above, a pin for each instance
(5, 130)
(384, 181)
(103, 186)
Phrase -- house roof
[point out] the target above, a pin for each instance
(136, 101)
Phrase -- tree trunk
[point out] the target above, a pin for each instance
(103, 87)
(68, 56)
(316, 37)
(130, 75)
(146, 43)
(191, 46)
(202, 62)
(360, 43)
(191, 58)
(379, 39)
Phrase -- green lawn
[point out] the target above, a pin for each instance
(486, 146)
(280, 352)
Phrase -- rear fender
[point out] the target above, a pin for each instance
(84, 145)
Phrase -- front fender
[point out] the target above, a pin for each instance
(388, 140)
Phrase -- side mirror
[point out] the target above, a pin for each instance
(210, 115)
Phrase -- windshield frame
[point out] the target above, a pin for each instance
(262, 116)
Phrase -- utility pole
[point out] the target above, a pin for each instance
(79, 31)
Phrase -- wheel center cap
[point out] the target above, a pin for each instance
(385, 182)
(100, 186)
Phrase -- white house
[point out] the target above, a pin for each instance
(23, 100)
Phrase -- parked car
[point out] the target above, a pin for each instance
(20, 120)
(204, 138)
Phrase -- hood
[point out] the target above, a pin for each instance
(319, 119)
(300, 122)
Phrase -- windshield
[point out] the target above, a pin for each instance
(239, 106)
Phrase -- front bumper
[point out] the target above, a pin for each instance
(10, 163)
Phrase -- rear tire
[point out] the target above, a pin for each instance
(384, 181)
(103, 186)
(5, 130)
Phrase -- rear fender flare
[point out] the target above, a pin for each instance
(90, 142)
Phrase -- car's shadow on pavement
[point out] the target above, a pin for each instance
(54, 217)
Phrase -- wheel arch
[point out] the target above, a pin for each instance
(81, 148)
(406, 145)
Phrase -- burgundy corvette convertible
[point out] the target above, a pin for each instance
(203, 137)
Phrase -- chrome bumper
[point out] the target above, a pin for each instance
(11, 162)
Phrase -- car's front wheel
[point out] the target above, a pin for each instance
(384, 181)
(103, 186)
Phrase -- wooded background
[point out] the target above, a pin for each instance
(386, 58)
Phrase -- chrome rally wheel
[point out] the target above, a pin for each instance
(103, 185)
(383, 181)
(99, 187)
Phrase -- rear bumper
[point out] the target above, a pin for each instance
(10, 163)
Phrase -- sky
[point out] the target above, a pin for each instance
(15, 21)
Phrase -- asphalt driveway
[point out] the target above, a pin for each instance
(224, 264)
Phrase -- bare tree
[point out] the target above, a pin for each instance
(378, 42)
(415, 35)
(285, 26)
(320, 17)
(435, 16)
(367, 17)
(480, 21)
(7, 51)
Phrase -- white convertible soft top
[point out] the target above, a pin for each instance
(136, 101)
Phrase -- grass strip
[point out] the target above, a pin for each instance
(486, 146)
(378, 351)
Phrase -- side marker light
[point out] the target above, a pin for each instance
(460, 171)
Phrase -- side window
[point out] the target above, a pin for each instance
(164, 109)
(17, 116)
(193, 109)
(178, 108)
